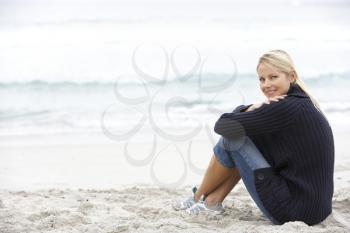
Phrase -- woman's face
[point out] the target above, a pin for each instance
(272, 81)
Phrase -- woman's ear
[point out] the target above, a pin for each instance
(292, 77)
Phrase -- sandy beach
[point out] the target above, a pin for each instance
(143, 209)
(92, 188)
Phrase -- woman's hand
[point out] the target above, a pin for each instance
(258, 105)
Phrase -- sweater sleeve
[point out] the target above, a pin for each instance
(241, 108)
(269, 118)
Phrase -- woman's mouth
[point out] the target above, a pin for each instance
(270, 92)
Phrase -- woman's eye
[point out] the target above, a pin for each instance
(274, 76)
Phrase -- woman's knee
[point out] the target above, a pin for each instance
(233, 144)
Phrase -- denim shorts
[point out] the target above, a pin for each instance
(243, 154)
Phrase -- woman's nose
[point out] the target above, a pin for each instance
(267, 83)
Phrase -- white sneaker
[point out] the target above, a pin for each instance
(202, 207)
(187, 202)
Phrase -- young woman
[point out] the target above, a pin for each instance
(282, 148)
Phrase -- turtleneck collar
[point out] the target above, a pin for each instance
(295, 90)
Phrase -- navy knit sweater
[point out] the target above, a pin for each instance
(297, 141)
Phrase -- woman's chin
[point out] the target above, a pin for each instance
(272, 95)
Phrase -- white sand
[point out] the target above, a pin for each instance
(92, 188)
(143, 209)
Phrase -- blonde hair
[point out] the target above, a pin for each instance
(284, 63)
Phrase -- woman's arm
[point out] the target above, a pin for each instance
(258, 119)
(258, 105)
(241, 108)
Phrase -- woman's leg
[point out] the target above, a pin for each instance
(239, 160)
(220, 193)
(215, 176)
(247, 159)
(217, 182)
(220, 177)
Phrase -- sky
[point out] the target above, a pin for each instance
(84, 39)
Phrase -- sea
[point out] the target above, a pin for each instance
(111, 68)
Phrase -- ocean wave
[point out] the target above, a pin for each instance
(43, 83)
(335, 110)
(336, 107)
(11, 115)
(213, 77)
